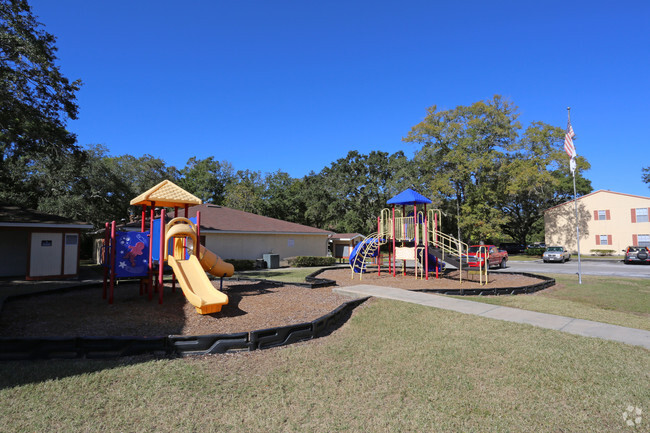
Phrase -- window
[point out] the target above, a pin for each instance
(643, 240)
(641, 214)
(602, 215)
(603, 239)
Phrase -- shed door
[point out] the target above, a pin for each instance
(45, 256)
(71, 254)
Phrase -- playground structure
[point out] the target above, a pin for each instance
(176, 242)
(412, 236)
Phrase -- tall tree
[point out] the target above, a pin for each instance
(462, 150)
(245, 191)
(349, 195)
(36, 101)
(646, 175)
(207, 178)
(536, 176)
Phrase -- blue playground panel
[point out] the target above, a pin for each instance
(155, 252)
(131, 254)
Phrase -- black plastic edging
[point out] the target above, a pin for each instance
(482, 291)
(112, 347)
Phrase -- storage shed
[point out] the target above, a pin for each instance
(36, 245)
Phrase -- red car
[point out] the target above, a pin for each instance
(477, 253)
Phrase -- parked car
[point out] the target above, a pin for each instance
(636, 254)
(556, 254)
(477, 253)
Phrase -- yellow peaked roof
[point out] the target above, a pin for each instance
(166, 194)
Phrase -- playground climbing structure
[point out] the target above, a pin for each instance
(410, 234)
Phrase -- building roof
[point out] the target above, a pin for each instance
(598, 192)
(409, 197)
(15, 216)
(345, 236)
(166, 194)
(225, 220)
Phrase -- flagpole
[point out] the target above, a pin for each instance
(575, 202)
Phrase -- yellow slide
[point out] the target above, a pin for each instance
(196, 285)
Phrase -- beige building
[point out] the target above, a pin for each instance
(235, 234)
(608, 221)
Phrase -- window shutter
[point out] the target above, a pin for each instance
(609, 239)
(597, 240)
(608, 216)
(635, 240)
(595, 215)
(633, 215)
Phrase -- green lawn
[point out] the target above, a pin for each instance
(288, 275)
(619, 301)
(392, 367)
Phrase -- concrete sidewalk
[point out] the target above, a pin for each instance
(586, 328)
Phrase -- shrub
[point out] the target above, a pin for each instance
(307, 261)
(602, 252)
(535, 251)
(242, 265)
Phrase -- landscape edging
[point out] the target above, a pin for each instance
(28, 348)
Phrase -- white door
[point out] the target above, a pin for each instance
(71, 254)
(46, 254)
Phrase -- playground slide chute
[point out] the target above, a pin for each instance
(196, 285)
(362, 250)
(191, 271)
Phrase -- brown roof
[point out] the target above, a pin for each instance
(346, 236)
(219, 218)
(16, 216)
(166, 194)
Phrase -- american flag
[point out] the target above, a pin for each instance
(569, 148)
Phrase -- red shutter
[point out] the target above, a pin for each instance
(609, 239)
(635, 240)
(597, 240)
(633, 215)
(595, 215)
(607, 215)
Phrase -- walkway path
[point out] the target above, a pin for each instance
(587, 328)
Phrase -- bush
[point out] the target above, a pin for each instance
(535, 251)
(602, 252)
(242, 265)
(307, 261)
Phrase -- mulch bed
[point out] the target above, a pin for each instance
(252, 306)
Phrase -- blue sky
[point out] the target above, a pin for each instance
(295, 85)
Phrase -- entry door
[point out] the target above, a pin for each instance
(46, 254)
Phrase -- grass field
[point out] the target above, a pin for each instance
(393, 367)
(288, 275)
(619, 301)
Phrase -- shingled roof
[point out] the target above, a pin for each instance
(222, 219)
(16, 216)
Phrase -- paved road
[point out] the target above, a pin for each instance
(589, 267)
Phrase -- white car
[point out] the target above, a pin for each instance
(556, 254)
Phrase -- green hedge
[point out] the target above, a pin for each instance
(242, 265)
(535, 251)
(602, 252)
(307, 261)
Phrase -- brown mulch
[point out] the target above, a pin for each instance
(252, 306)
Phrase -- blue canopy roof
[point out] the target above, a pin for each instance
(408, 197)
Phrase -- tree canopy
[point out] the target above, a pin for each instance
(36, 101)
